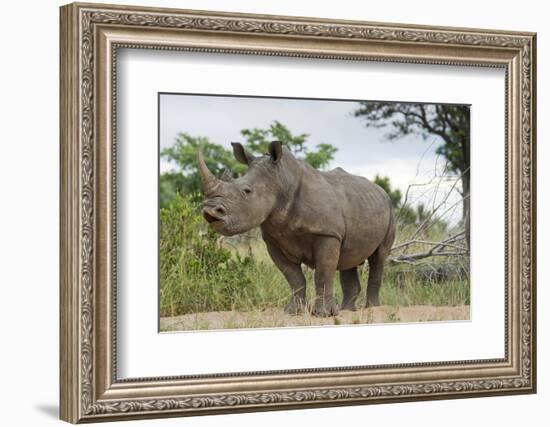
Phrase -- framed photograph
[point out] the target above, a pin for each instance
(267, 212)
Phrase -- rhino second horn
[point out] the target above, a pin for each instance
(227, 176)
(209, 181)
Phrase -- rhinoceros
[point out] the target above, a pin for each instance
(328, 221)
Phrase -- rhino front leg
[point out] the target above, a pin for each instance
(326, 253)
(295, 278)
(376, 269)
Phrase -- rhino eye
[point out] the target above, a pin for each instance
(247, 191)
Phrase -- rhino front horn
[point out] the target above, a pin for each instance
(209, 181)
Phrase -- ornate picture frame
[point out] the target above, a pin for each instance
(90, 37)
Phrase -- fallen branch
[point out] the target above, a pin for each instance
(449, 242)
(437, 249)
(411, 258)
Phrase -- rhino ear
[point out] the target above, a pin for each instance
(276, 150)
(241, 154)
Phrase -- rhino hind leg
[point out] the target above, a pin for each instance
(376, 267)
(349, 280)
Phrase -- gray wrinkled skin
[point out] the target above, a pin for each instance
(327, 220)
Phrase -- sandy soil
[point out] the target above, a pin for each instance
(277, 318)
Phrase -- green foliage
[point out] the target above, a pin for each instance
(421, 213)
(321, 158)
(197, 274)
(405, 215)
(257, 141)
(171, 184)
(183, 155)
(395, 193)
(408, 286)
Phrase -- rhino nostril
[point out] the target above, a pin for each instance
(220, 210)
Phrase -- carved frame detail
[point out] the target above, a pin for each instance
(82, 399)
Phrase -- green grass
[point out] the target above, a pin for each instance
(199, 272)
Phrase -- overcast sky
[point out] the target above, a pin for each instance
(361, 150)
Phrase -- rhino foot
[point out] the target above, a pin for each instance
(348, 305)
(324, 308)
(372, 301)
(295, 306)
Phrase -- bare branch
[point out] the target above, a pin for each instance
(427, 242)
(409, 259)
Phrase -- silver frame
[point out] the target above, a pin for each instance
(90, 37)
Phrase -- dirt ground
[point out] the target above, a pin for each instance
(275, 318)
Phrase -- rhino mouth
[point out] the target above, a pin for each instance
(218, 218)
(210, 218)
(214, 221)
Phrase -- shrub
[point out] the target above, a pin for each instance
(198, 274)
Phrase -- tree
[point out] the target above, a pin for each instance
(171, 184)
(451, 123)
(422, 213)
(183, 155)
(395, 194)
(257, 141)
(403, 213)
